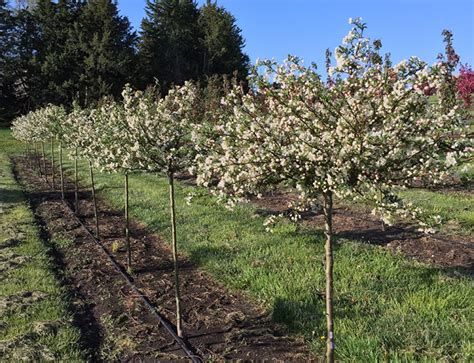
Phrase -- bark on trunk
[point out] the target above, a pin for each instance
(96, 217)
(329, 277)
(38, 161)
(61, 172)
(76, 201)
(52, 163)
(127, 225)
(175, 255)
(44, 162)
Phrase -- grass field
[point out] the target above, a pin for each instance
(35, 324)
(387, 308)
(455, 208)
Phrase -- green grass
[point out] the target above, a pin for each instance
(35, 322)
(387, 308)
(455, 208)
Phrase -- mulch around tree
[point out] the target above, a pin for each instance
(115, 325)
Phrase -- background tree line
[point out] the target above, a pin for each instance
(69, 51)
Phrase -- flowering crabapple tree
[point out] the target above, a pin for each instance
(368, 129)
(55, 118)
(161, 137)
(111, 151)
(74, 126)
(88, 131)
(465, 84)
(24, 129)
(40, 122)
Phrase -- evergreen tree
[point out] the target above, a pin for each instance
(169, 48)
(57, 61)
(106, 44)
(222, 42)
(7, 96)
(20, 59)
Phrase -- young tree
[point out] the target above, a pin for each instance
(161, 138)
(370, 129)
(113, 151)
(73, 141)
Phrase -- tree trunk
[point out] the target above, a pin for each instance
(38, 161)
(329, 277)
(52, 163)
(76, 201)
(127, 231)
(44, 162)
(175, 255)
(61, 172)
(94, 200)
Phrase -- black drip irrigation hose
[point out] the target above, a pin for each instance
(184, 345)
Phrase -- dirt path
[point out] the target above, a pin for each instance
(218, 324)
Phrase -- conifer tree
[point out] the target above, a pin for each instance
(59, 63)
(7, 79)
(22, 64)
(169, 49)
(222, 42)
(106, 44)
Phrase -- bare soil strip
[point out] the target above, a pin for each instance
(218, 323)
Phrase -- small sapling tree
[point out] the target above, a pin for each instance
(161, 131)
(113, 152)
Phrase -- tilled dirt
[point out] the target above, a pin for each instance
(447, 252)
(218, 324)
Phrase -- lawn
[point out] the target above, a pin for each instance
(36, 323)
(387, 308)
(455, 208)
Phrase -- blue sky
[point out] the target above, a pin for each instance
(276, 28)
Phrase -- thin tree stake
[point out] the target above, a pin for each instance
(76, 201)
(329, 277)
(127, 226)
(91, 172)
(175, 255)
(38, 161)
(52, 163)
(61, 172)
(44, 162)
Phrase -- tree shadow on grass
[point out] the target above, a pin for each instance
(8, 196)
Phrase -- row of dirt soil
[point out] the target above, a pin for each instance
(115, 324)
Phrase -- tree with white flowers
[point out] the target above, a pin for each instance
(161, 137)
(42, 125)
(24, 130)
(54, 118)
(368, 129)
(111, 151)
(76, 129)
